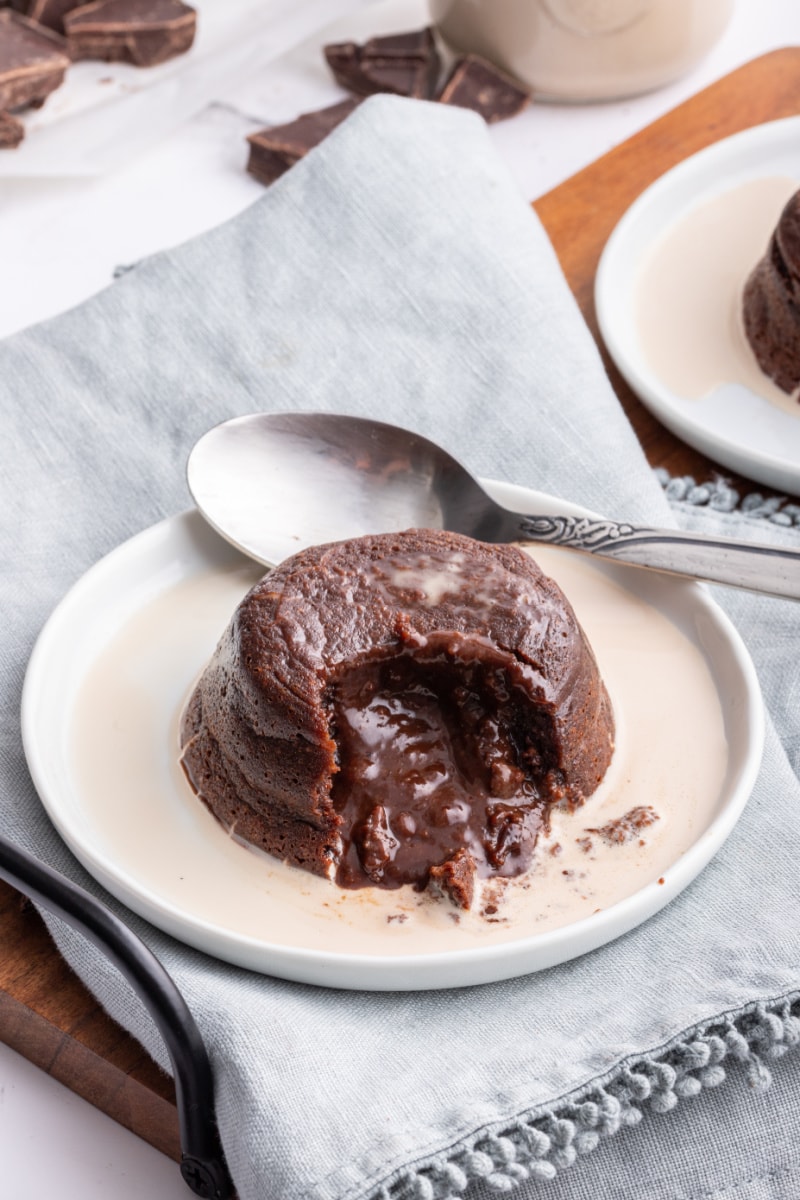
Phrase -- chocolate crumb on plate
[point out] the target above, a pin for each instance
(628, 826)
(403, 64)
(33, 61)
(481, 86)
(456, 878)
(274, 150)
(142, 32)
(12, 131)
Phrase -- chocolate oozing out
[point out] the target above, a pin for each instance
(479, 85)
(404, 64)
(12, 131)
(771, 302)
(141, 32)
(399, 709)
(33, 61)
(274, 150)
(439, 751)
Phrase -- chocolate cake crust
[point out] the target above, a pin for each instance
(401, 708)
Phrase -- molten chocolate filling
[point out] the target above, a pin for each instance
(439, 754)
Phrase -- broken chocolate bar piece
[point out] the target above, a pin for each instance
(12, 131)
(417, 44)
(141, 32)
(483, 87)
(274, 150)
(50, 12)
(404, 64)
(33, 61)
(398, 77)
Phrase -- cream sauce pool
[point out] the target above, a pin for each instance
(688, 293)
(671, 755)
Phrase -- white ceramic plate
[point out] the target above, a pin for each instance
(174, 840)
(742, 430)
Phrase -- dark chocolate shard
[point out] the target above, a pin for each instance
(343, 58)
(419, 44)
(141, 32)
(274, 150)
(50, 12)
(484, 88)
(398, 77)
(377, 844)
(628, 826)
(455, 878)
(403, 64)
(12, 131)
(33, 61)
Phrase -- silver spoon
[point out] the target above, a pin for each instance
(274, 483)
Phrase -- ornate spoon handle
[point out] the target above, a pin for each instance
(754, 566)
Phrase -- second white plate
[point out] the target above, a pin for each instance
(733, 424)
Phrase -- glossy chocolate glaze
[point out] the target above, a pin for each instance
(439, 751)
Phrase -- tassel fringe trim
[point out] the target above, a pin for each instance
(718, 494)
(537, 1145)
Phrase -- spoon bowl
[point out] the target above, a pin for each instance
(275, 483)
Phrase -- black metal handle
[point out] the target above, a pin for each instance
(202, 1164)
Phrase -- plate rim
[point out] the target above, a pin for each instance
(770, 469)
(422, 971)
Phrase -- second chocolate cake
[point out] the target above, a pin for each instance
(771, 302)
(401, 708)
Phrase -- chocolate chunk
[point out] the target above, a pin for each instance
(274, 150)
(376, 844)
(50, 12)
(484, 88)
(397, 77)
(417, 44)
(404, 64)
(344, 60)
(456, 878)
(141, 32)
(771, 302)
(12, 131)
(33, 61)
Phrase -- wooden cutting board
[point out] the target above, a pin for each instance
(45, 1012)
(580, 214)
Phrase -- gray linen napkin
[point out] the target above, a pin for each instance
(396, 273)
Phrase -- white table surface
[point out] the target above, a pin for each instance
(60, 240)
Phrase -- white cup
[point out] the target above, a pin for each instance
(579, 50)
